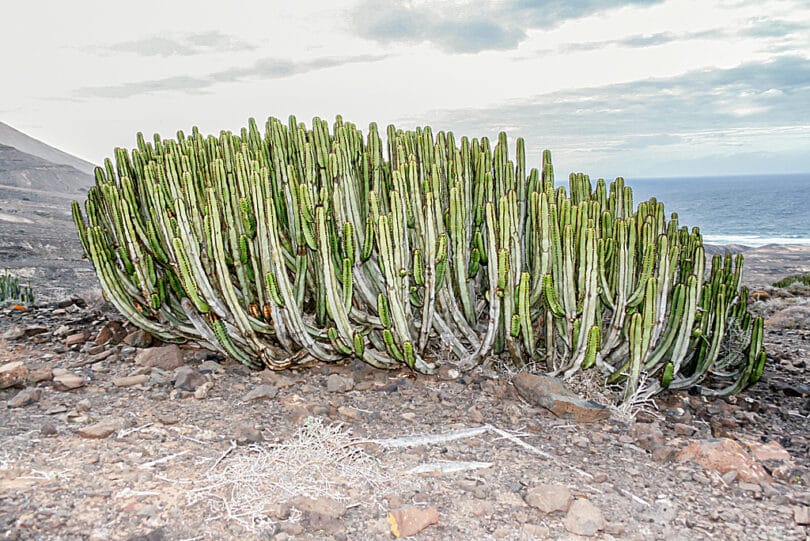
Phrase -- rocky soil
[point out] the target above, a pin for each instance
(106, 434)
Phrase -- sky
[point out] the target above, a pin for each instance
(639, 88)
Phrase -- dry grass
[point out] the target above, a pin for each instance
(319, 460)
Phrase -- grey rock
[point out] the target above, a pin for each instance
(261, 392)
(14, 333)
(25, 397)
(339, 384)
(188, 379)
(48, 429)
(584, 518)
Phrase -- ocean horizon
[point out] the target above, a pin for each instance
(751, 210)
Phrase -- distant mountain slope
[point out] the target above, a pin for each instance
(22, 170)
(22, 142)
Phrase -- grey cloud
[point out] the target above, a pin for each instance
(186, 45)
(264, 68)
(722, 107)
(773, 28)
(641, 40)
(472, 28)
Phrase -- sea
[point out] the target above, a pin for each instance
(751, 210)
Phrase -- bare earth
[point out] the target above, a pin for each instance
(138, 452)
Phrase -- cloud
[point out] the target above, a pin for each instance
(640, 41)
(758, 103)
(262, 69)
(469, 27)
(186, 45)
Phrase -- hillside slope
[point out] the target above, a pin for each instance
(20, 169)
(25, 143)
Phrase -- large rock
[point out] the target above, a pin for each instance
(549, 498)
(188, 379)
(724, 455)
(165, 357)
(551, 394)
(102, 429)
(25, 397)
(13, 374)
(261, 392)
(792, 317)
(65, 380)
(584, 518)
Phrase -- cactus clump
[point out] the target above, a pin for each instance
(297, 244)
(11, 290)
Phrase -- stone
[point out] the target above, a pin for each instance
(767, 451)
(138, 338)
(48, 429)
(101, 430)
(210, 367)
(14, 333)
(549, 498)
(408, 521)
(247, 434)
(33, 330)
(188, 379)
(792, 317)
(551, 394)
(38, 375)
(532, 532)
(13, 374)
(648, 435)
(84, 405)
(26, 397)
(260, 392)
(663, 454)
(801, 515)
(165, 357)
(201, 392)
(62, 330)
(584, 518)
(64, 380)
(723, 455)
(111, 333)
(129, 381)
(76, 338)
(336, 383)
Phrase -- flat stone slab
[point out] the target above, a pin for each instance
(550, 393)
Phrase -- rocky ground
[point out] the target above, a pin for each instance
(105, 434)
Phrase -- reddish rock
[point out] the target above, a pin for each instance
(801, 515)
(648, 435)
(13, 374)
(138, 339)
(39, 375)
(551, 394)
(724, 455)
(166, 357)
(408, 521)
(102, 429)
(768, 451)
(76, 338)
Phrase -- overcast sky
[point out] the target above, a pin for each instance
(612, 87)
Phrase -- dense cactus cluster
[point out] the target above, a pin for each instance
(293, 244)
(11, 290)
